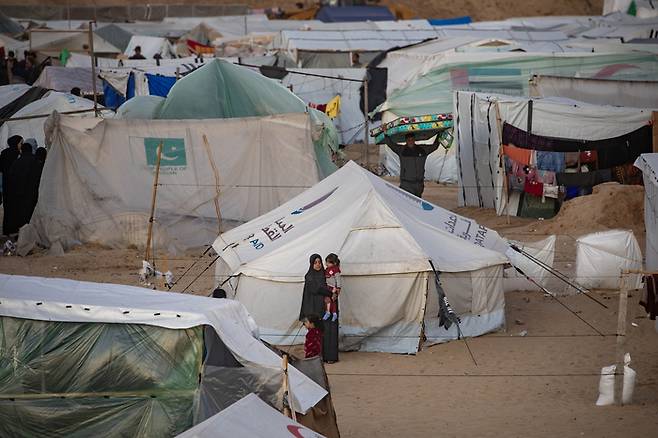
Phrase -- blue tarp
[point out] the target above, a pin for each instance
(450, 21)
(335, 14)
(160, 85)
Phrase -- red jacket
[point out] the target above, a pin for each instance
(313, 343)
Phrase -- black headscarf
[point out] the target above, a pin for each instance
(315, 289)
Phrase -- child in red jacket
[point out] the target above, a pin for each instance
(313, 343)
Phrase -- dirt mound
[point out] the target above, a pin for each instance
(610, 206)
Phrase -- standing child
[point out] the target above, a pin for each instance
(334, 283)
(313, 342)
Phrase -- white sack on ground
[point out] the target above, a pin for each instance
(98, 179)
(600, 258)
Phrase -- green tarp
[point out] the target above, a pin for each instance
(509, 74)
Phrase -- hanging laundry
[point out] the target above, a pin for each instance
(519, 155)
(546, 177)
(588, 157)
(534, 188)
(584, 178)
(649, 298)
(553, 161)
(571, 158)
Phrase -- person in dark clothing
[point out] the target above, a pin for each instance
(7, 157)
(315, 289)
(219, 293)
(35, 177)
(76, 91)
(412, 163)
(21, 184)
(138, 53)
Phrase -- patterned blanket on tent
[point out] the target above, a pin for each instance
(423, 127)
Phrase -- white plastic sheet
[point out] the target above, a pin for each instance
(600, 258)
(648, 164)
(100, 177)
(52, 299)
(249, 417)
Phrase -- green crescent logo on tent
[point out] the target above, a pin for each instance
(173, 151)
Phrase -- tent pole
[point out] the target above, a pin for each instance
(217, 191)
(93, 66)
(154, 192)
(621, 338)
(288, 410)
(501, 162)
(367, 125)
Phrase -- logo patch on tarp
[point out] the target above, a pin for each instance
(173, 151)
(314, 203)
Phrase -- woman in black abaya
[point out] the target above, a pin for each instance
(315, 289)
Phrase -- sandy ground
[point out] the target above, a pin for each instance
(541, 385)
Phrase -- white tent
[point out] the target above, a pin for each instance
(597, 91)
(65, 78)
(52, 299)
(600, 258)
(249, 417)
(384, 237)
(350, 123)
(648, 164)
(51, 101)
(9, 93)
(478, 142)
(150, 46)
(100, 175)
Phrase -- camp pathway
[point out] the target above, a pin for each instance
(542, 385)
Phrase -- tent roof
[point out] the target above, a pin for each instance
(54, 299)
(150, 46)
(9, 26)
(115, 35)
(249, 416)
(223, 90)
(354, 13)
(56, 41)
(9, 93)
(65, 78)
(375, 227)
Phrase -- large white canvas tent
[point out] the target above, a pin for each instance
(65, 78)
(385, 238)
(478, 141)
(170, 359)
(9, 93)
(643, 94)
(100, 175)
(150, 46)
(249, 417)
(34, 128)
(648, 164)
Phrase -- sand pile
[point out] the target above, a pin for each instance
(610, 206)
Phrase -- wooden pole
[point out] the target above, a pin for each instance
(621, 338)
(217, 190)
(154, 192)
(501, 163)
(288, 410)
(93, 66)
(654, 129)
